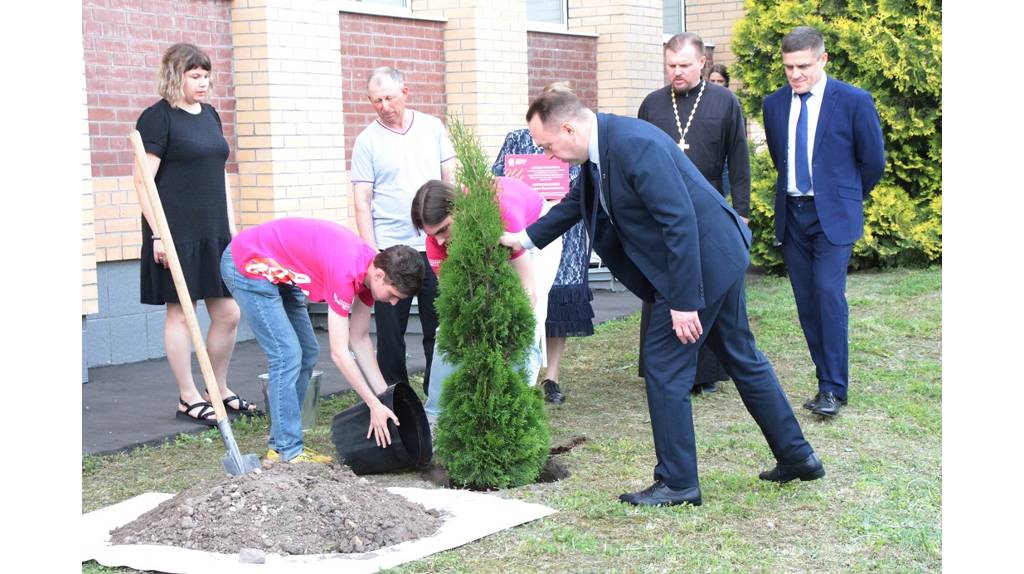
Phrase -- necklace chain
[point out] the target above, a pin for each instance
(679, 126)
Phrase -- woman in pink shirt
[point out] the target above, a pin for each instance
(520, 205)
(271, 270)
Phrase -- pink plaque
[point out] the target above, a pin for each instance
(550, 177)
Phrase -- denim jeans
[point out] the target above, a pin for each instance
(278, 316)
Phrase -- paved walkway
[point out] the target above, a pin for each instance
(126, 406)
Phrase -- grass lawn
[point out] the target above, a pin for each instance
(877, 510)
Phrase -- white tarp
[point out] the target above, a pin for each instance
(468, 517)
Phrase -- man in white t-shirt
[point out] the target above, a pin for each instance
(396, 154)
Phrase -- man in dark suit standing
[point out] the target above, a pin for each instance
(671, 238)
(826, 142)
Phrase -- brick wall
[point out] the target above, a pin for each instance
(415, 47)
(713, 20)
(123, 42)
(629, 48)
(560, 57)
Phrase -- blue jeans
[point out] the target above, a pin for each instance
(278, 317)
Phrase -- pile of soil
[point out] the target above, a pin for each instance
(302, 508)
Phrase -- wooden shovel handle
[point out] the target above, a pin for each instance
(179, 278)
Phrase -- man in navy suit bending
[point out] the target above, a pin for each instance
(671, 238)
(826, 142)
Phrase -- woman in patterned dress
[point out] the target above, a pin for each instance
(570, 313)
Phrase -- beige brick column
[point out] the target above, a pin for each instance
(629, 53)
(485, 63)
(289, 110)
(90, 289)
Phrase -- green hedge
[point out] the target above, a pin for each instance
(492, 431)
(892, 49)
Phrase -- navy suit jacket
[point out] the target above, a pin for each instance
(667, 231)
(847, 160)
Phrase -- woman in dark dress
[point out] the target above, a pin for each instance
(186, 150)
(570, 313)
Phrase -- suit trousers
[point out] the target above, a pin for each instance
(817, 273)
(671, 366)
(392, 322)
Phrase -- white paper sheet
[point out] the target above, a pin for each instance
(468, 517)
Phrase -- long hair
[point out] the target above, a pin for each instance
(177, 60)
(432, 203)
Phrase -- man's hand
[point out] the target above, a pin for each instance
(745, 220)
(510, 240)
(686, 325)
(379, 415)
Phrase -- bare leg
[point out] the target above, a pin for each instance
(178, 346)
(556, 346)
(220, 339)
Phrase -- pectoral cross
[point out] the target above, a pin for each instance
(683, 145)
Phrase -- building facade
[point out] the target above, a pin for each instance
(289, 84)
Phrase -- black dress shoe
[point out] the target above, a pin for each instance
(809, 403)
(660, 494)
(698, 389)
(826, 404)
(552, 392)
(808, 469)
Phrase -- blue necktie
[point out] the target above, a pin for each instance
(803, 172)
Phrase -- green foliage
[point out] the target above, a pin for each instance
(892, 49)
(492, 431)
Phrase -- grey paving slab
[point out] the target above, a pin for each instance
(126, 406)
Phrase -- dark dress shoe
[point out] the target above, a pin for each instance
(660, 494)
(552, 392)
(809, 403)
(711, 387)
(826, 404)
(808, 469)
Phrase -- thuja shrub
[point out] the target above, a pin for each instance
(492, 431)
(892, 49)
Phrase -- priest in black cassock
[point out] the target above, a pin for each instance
(707, 122)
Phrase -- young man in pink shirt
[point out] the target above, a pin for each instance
(271, 270)
(520, 206)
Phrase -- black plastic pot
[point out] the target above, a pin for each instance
(410, 441)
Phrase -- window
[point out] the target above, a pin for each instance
(547, 14)
(673, 16)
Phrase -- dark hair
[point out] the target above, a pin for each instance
(555, 105)
(721, 69)
(433, 202)
(676, 43)
(403, 268)
(804, 38)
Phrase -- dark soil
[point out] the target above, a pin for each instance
(553, 470)
(302, 508)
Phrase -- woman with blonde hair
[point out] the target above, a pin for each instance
(187, 152)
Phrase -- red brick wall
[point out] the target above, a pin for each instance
(414, 47)
(558, 57)
(124, 41)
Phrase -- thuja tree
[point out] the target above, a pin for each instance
(492, 431)
(892, 49)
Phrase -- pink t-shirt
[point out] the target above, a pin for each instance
(520, 206)
(327, 261)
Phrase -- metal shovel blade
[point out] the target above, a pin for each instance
(235, 463)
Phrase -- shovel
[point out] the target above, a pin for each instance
(235, 463)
